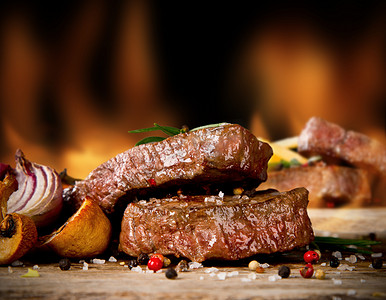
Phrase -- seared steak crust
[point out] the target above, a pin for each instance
(214, 227)
(326, 184)
(322, 137)
(220, 154)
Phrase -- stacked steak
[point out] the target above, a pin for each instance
(178, 197)
(351, 174)
(214, 227)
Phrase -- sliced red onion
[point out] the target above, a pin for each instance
(39, 194)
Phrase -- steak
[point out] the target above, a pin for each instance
(214, 227)
(322, 137)
(328, 185)
(227, 153)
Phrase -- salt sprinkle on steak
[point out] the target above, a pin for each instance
(228, 153)
(213, 227)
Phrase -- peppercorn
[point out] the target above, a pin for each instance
(307, 271)
(319, 274)
(171, 273)
(334, 262)
(377, 263)
(253, 265)
(284, 272)
(311, 257)
(182, 266)
(132, 263)
(143, 259)
(64, 264)
(155, 263)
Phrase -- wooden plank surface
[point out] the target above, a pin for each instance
(113, 281)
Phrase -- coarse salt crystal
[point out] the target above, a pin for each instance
(137, 269)
(221, 194)
(323, 264)
(337, 254)
(35, 267)
(345, 267)
(274, 277)
(85, 266)
(337, 281)
(147, 271)
(352, 259)
(265, 265)
(351, 292)
(233, 273)
(112, 259)
(222, 275)
(376, 254)
(212, 274)
(361, 257)
(125, 266)
(10, 269)
(98, 261)
(195, 265)
(211, 270)
(252, 276)
(17, 263)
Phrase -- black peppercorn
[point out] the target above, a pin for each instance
(132, 263)
(171, 273)
(284, 272)
(334, 262)
(64, 264)
(377, 263)
(143, 259)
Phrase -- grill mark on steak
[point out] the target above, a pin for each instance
(228, 228)
(216, 156)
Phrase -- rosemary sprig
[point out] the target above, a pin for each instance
(168, 130)
(332, 243)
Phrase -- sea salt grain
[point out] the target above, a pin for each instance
(352, 259)
(35, 267)
(265, 265)
(252, 276)
(112, 259)
(345, 267)
(351, 292)
(222, 275)
(361, 257)
(337, 254)
(98, 261)
(233, 273)
(17, 263)
(85, 266)
(323, 264)
(274, 277)
(10, 270)
(195, 265)
(221, 194)
(137, 269)
(211, 270)
(374, 255)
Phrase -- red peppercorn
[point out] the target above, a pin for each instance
(307, 271)
(311, 257)
(155, 263)
(152, 182)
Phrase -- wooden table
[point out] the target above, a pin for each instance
(114, 281)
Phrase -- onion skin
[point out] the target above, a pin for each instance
(39, 195)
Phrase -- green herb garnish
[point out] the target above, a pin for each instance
(170, 131)
(332, 243)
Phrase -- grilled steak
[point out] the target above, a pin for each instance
(328, 185)
(214, 227)
(322, 137)
(212, 155)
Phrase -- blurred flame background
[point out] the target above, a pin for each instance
(75, 76)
